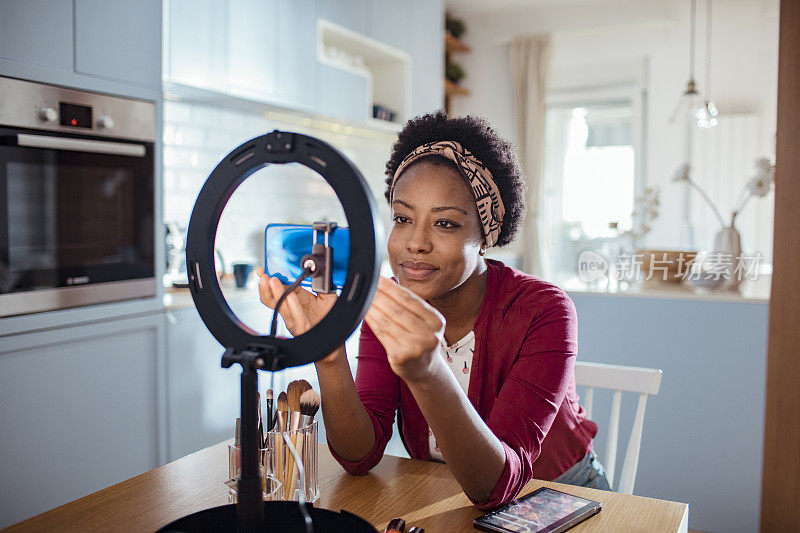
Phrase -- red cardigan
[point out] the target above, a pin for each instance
(522, 385)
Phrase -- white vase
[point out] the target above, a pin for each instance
(728, 244)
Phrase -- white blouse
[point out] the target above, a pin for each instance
(459, 359)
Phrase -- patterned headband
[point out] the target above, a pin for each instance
(484, 189)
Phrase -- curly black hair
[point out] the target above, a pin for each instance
(476, 135)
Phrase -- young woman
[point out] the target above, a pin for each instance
(475, 357)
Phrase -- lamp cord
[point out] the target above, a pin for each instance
(692, 38)
(274, 327)
(708, 52)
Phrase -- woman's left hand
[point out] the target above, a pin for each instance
(408, 327)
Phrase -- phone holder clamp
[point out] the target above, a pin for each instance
(320, 260)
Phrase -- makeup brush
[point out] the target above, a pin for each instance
(293, 392)
(309, 405)
(270, 421)
(281, 417)
(282, 413)
(233, 462)
(260, 423)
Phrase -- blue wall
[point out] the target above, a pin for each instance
(703, 433)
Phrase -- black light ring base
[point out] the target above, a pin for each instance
(366, 245)
(283, 517)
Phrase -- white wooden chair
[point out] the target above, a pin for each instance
(644, 381)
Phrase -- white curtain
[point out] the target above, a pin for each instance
(530, 59)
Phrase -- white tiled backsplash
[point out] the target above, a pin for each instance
(197, 137)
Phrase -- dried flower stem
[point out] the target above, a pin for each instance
(708, 201)
(736, 212)
(740, 201)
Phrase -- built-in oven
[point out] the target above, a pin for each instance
(76, 198)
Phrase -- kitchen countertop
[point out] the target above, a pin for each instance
(750, 291)
(179, 298)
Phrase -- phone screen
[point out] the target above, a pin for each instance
(285, 245)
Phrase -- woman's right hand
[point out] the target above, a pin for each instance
(301, 310)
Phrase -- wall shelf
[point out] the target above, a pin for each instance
(454, 44)
(386, 69)
(453, 89)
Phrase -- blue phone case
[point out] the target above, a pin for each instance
(286, 244)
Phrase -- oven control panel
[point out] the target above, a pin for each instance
(54, 108)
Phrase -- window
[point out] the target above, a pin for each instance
(589, 181)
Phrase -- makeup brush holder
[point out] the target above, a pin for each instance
(269, 482)
(286, 469)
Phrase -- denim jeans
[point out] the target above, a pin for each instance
(588, 472)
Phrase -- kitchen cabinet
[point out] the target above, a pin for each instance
(297, 53)
(38, 32)
(390, 22)
(197, 43)
(110, 46)
(386, 72)
(83, 408)
(119, 39)
(427, 51)
(415, 27)
(267, 50)
(203, 397)
(252, 54)
(264, 50)
(350, 14)
(341, 94)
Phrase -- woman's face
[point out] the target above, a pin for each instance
(436, 234)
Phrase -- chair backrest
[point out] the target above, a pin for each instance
(644, 381)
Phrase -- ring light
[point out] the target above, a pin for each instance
(266, 352)
(366, 243)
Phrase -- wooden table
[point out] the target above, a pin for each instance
(423, 493)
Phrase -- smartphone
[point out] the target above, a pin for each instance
(544, 510)
(285, 245)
